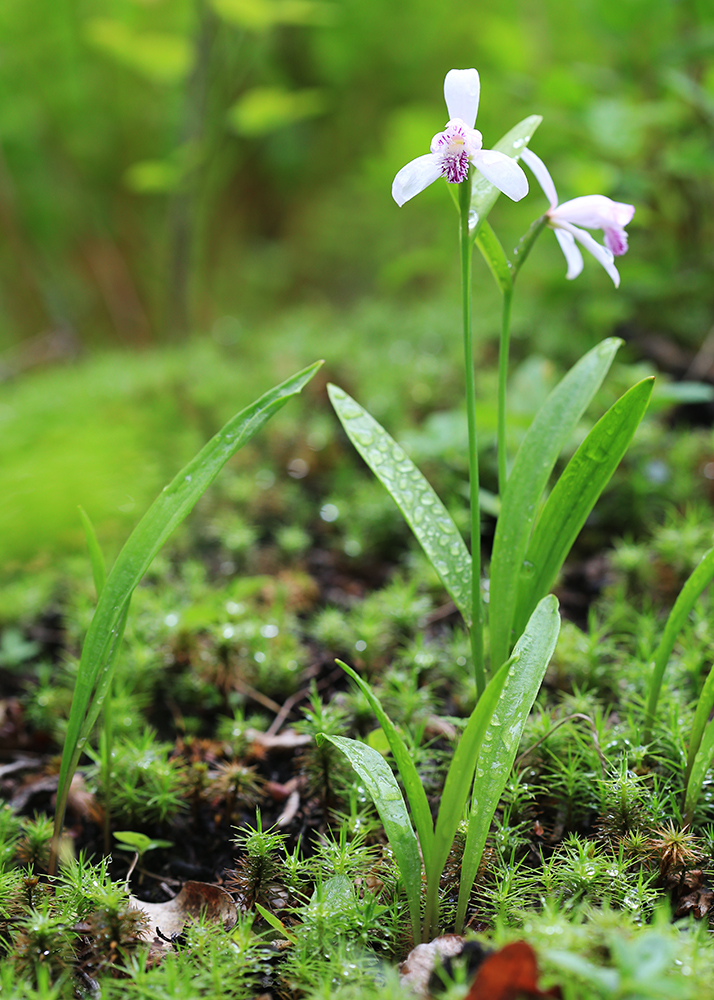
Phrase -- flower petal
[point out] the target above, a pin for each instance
(503, 172)
(462, 89)
(595, 211)
(572, 255)
(601, 254)
(615, 240)
(541, 174)
(415, 176)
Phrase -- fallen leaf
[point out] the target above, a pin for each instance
(194, 899)
(510, 974)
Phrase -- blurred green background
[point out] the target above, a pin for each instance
(195, 200)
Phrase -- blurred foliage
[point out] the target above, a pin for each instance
(164, 164)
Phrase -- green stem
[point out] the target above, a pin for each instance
(502, 379)
(476, 631)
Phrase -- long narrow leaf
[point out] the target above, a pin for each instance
(164, 515)
(700, 578)
(702, 763)
(421, 814)
(422, 509)
(500, 744)
(457, 787)
(574, 496)
(387, 797)
(483, 193)
(96, 557)
(705, 703)
(495, 256)
(545, 439)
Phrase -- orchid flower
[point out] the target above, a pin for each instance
(459, 145)
(594, 211)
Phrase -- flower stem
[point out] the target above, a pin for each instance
(502, 379)
(476, 631)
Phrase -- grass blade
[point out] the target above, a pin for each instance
(382, 786)
(483, 193)
(422, 509)
(164, 515)
(416, 796)
(545, 439)
(575, 495)
(700, 578)
(500, 744)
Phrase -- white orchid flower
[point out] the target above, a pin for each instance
(459, 145)
(594, 211)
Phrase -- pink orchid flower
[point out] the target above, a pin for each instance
(459, 145)
(594, 211)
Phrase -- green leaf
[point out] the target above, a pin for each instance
(161, 57)
(413, 786)
(705, 703)
(494, 255)
(483, 193)
(164, 515)
(702, 762)
(275, 922)
(139, 842)
(384, 791)
(456, 790)
(422, 509)
(543, 442)
(99, 570)
(261, 15)
(499, 747)
(700, 578)
(265, 109)
(575, 495)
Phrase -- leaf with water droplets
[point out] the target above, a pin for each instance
(384, 792)
(483, 193)
(422, 509)
(495, 759)
(545, 439)
(165, 514)
(574, 496)
(457, 786)
(411, 780)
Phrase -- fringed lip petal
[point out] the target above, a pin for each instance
(462, 90)
(414, 177)
(573, 257)
(541, 174)
(503, 172)
(459, 146)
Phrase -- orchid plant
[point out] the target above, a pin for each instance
(534, 533)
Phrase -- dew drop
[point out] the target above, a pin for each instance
(363, 437)
(350, 410)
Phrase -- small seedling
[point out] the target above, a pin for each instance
(140, 844)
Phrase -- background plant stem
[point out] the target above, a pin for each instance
(476, 631)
